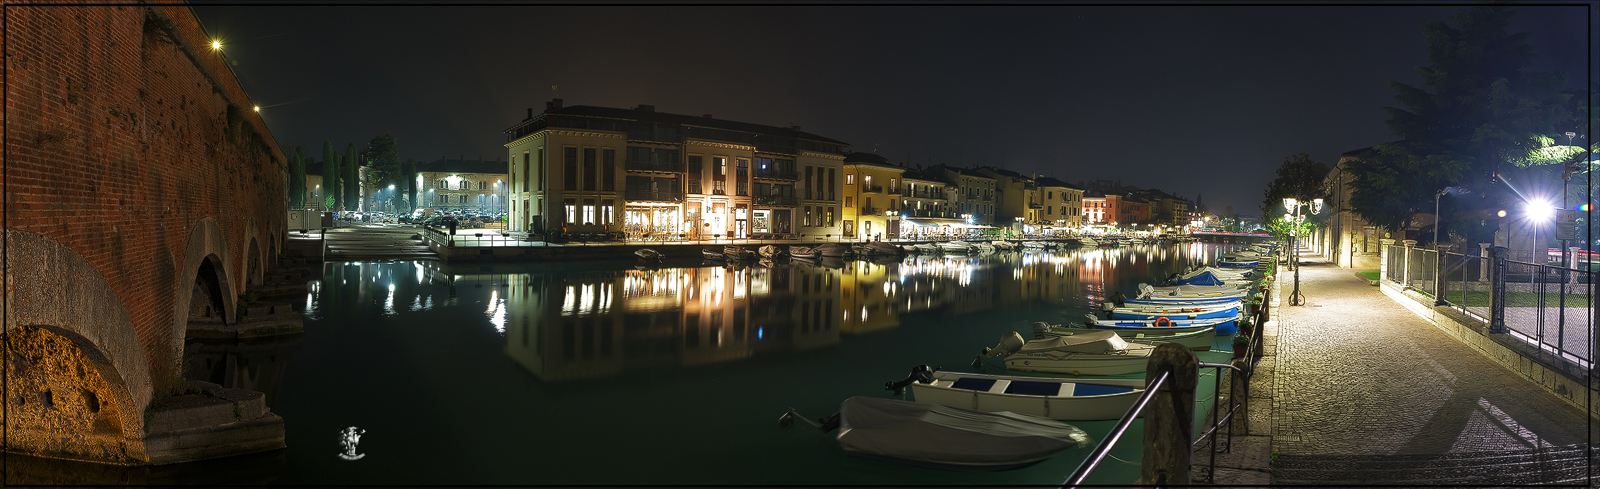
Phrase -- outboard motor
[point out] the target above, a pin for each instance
(1107, 307)
(1039, 329)
(1089, 320)
(1010, 342)
(1174, 278)
(920, 374)
(1118, 298)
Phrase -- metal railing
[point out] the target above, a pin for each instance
(1259, 314)
(653, 195)
(1550, 307)
(783, 200)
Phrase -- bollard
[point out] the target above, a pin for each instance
(1497, 290)
(1169, 421)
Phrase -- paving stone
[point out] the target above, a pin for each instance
(1362, 375)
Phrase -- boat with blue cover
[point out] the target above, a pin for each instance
(1151, 312)
(1198, 340)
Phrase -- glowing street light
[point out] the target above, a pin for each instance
(215, 45)
(258, 108)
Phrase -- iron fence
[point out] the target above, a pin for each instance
(1421, 268)
(1466, 286)
(1394, 269)
(1547, 306)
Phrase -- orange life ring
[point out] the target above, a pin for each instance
(1163, 320)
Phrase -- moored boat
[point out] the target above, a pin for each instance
(1198, 338)
(1054, 398)
(927, 247)
(802, 252)
(711, 255)
(1145, 312)
(648, 254)
(955, 247)
(934, 435)
(885, 249)
(836, 250)
(770, 251)
(1098, 353)
(738, 253)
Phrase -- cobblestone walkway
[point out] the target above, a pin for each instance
(1358, 374)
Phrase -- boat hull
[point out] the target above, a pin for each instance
(1198, 339)
(1079, 363)
(1059, 399)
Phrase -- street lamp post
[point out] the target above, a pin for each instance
(1295, 218)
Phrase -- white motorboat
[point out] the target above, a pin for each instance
(1004, 245)
(928, 247)
(1199, 339)
(770, 251)
(1192, 291)
(802, 252)
(1039, 245)
(1054, 398)
(928, 434)
(1088, 242)
(1098, 353)
(711, 255)
(910, 248)
(1149, 312)
(982, 247)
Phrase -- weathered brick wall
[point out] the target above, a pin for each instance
(124, 131)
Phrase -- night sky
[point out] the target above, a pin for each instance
(1191, 100)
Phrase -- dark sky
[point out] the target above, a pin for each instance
(1188, 99)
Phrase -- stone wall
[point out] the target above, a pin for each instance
(128, 138)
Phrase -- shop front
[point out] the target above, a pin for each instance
(647, 222)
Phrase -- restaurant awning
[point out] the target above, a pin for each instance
(949, 222)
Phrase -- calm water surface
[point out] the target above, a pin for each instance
(601, 373)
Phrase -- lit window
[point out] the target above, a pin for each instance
(849, 179)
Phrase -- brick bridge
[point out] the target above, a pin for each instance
(142, 193)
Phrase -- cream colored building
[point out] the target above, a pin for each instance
(462, 185)
(653, 175)
(1056, 205)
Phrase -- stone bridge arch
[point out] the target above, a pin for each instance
(80, 378)
(195, 292)
(254, 264)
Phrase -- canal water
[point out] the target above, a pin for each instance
(602, 373)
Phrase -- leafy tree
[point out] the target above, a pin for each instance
(330, 175)
(352, 177)
(1476, 112)
(297, 179)
(1299, 177)
(383, 160)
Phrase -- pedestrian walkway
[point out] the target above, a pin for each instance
(1361, 384)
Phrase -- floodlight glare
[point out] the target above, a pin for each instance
(1502, 213)
(1289, 202)
(1539, 210)
(216, 44)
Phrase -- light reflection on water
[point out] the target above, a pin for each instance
(551, 373)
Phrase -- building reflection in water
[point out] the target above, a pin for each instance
(586, 324)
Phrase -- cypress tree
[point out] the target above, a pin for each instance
(297, 179)
(330, 174)
(352, 177)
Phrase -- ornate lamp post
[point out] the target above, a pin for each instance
(1295, 218)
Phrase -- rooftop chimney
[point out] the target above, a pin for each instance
(530, 112)
(645, 108)
(552, 105)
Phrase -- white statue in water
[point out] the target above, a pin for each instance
(349, 438)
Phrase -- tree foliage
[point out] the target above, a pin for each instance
(331, 174)
(383, 170)
(297, 179)
(1476, 113)
(1299, 177)
(352, 177)
(408, 173)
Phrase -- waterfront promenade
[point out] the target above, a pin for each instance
(1357, 389)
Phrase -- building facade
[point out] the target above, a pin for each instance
(463, 185)
(871, 197)
(1060, 205)
(974, 196)
(654, 175)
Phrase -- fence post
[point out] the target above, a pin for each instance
(1439, 285)
(1405, 265)
(1572, 263)
(1384, 252)
(1239, 393)
(1483, 272)
(1497, 290)
(1169, 424)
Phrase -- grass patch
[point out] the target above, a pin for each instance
(1372, 275)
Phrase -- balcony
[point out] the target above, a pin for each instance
(653, 196)
(694, 186)
(870, 211)
(776, 200)
(875, 189)
(1035, 206)
(632, 165)
(777, 174)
